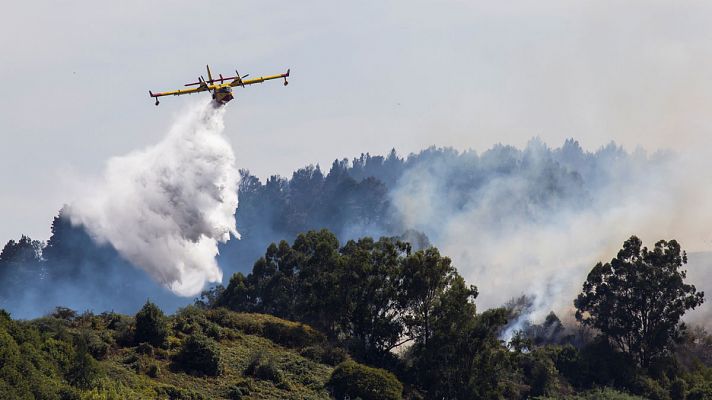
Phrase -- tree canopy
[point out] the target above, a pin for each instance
(638, 298)
(151, 325)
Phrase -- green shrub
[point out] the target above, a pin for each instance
(601, 364)
(325, 354)
(84, 369)
(97, 347)
(356, 380)
(283, 332)
(190, 320)
(125, 331)
(238, 391)
(69, 393)
(144, 348)
(678, 389)
(291, 335)
(539, 373)
(596, 394)
(700, 392)
(64, 313)
(199, 355)
(213, 331)
(151, 325)
(59, 351)
(153, 370)
(264, 368)
(650, 389)
(175, 393)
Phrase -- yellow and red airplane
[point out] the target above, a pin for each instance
(220, 89)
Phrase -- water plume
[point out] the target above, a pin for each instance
(166, 207)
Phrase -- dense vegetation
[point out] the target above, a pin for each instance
(373, 319)
(409, 311)
(206, 354)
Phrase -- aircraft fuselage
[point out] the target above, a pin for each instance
(222, 94)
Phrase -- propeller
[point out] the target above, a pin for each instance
(239, 78)
(202, 80)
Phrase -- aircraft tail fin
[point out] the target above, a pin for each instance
(210, 76)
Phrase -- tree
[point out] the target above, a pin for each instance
(273, 280)
(463, 358)
(369, 290)
(319, 265)
(425, 276)
(638, 298)
(84, 369)
(151, 325)
(199, 355)
(24, 251)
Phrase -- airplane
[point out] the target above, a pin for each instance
(220, 89)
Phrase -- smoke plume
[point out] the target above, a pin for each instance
(534, 221)
(166, 207)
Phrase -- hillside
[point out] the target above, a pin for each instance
(375, 320)
(258, 357)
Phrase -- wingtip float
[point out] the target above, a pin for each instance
(220, 88)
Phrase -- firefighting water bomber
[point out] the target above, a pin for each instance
(220, 88)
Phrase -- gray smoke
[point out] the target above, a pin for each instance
(534, 221)
(166, 207)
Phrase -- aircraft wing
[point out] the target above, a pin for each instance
(244, 82)
(180, 91)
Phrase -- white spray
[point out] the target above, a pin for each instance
(165, 208)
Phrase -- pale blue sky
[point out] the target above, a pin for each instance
(367, 76)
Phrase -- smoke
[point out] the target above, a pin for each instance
(166, 207)
(534, 221)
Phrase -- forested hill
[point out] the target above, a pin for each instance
(375, 320)
(377, 195)
(423, 196)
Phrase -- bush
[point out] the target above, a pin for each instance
(325, 354)
(125, 331)
(678, 389)
(199, 355)
(264, 368)
(144, 348)
(700, 392)
(64, 313)
(175, 393)
(58, 350)
(596, 394)
(283, 332)
(68, 393)
(153, 370)
(151, 325)
(291, 335)
(539, 373)
(356, 380)
(190, 320)
(213, 331)
(238, 391)
(650, 389)
(98, 348)
(600, 364)
(84, 369)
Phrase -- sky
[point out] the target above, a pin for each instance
(367, 76)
